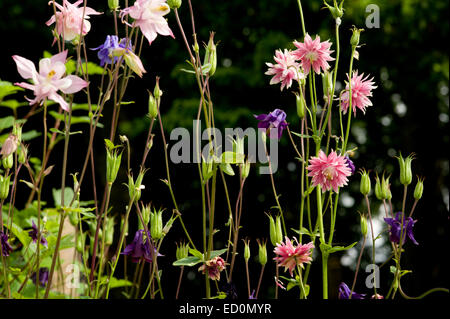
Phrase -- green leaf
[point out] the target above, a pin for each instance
(21, 234)
(75, 119)
(301, 135)
(54, 130)
(6, 122)
(68, 196)
(7, 88)
(188, 261)
(216, 253)
(26, 136)
(12, 104)
(341, 248)
(115, 283)
(232, 158)
(196, 253)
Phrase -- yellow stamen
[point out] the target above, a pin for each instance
(51, 74)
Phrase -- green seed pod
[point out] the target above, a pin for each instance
(134, 188)
(364, 186)
(81, 239)
(152, 106)
(157, 91)
(245, 169)
(17, 131)
(262, 253)
(364, 226)
(73, 218)
(109, 231)
(385, 188)
(354, 40)
(418, 191)
(378, 189)
(327, 85)
(211, 54)
(22, 154)
(276, 235)
(113, 4)
(182, 251)
(301, 104)
(156, 227)
(4, 187)
(174, 4)
(246, 250)
(8, 161)
(113, 160)
(336, 11)
(146, 214)
(405, 169)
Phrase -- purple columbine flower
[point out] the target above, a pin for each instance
(344, 292)
(140, 248)
(6, 247)
(275, 119)
(34, 234)
(43, 277)
(350, 164)
(106, 50)
(396, 228)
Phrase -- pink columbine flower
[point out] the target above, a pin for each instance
(213, 267)
(291, 256)
(330, 172)
(149, 15)
(71, 20)
(313, 54)
(361, 90)
(49, 80)
(285, 70)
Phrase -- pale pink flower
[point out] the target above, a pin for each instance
(149, 15)
(49, 80)
(330, 172)
(290, 256)
(71, 19)
(313, 54)
(361, 90)
(285, 70)
(214, 267)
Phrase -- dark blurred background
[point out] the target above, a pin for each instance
(407, 56)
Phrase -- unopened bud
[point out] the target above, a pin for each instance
(113, 4)
(156, 227)
(182, 251)
(81, 239)
(276, 235)
(327, 85)
(301, 104)
(211, 54)
(109, 234)
(378, 189)
(8, 161)
(174, 4)
(134, 188)
(23, 153)
(354, 41)
(113, 160)
(157, 91)
(364, 185)
(336, 11)
(152, 106)
(245, 169)
(4, 187)
(385, 188)
(364, 226)
(9, 146)
(246, 250)
(146, 214)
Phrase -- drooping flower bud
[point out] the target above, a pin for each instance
(156, 224)
(152, 106)
(354, 40)
(301, 104)
(113, 160)
(405, 169)
(182, 251)
(4, 186)
(262, 252)
(364, 185)
(174, 4)
(418, 191)
(246, 249)
(276, 235)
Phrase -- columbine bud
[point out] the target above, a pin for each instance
(17, 131)
(419, 189)
(4, 187)
(109, 234)
(405, 169)
(327, 85)
(174, 4)
(146, 214)
(246, 249)
(113, 4)
(182, 251)
(262, 252)
(385, 188)
(156, 227)
(9, 146)
(354, 41)
(8, 161)
(157, 91)
(364, 186)
(133, 62)
(113, 160)
(134, 188)
(336, 11)
(363, 226)
(378, 189)
(301, 103)
(276, 235)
